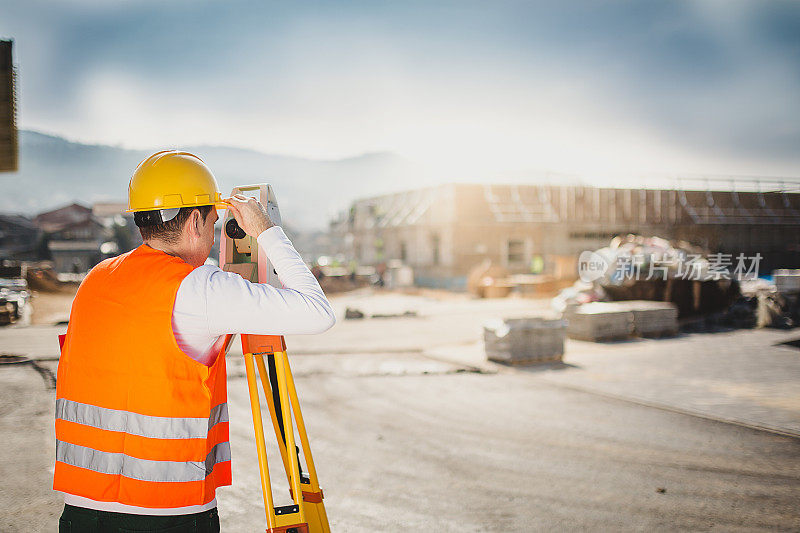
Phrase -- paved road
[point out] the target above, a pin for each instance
(407, 437)
(405, 443)
(503, 452)
(746, 376)
(749, 377)
(27, 502)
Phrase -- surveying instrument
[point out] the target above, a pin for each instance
(239, 253)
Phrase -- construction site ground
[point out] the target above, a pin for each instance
(412, 429)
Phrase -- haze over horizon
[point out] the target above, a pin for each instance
(54, 172)
(464, 88)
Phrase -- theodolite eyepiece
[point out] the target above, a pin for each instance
(233, 230)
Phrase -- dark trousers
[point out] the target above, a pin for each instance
(81, 520)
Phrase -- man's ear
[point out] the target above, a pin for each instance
(195, 221)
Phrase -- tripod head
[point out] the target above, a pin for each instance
(239, 252)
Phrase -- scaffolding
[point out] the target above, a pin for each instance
(8, 110)
(742, 202)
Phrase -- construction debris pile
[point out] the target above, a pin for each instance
(351, 313)
(488, 280)
(705, 288)
(524, 340)
(698, 282)
(776, 304)
(14, 294)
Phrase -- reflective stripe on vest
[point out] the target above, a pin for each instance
(142, 469)
(155, 427)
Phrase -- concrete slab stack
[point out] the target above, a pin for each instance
(600, 321)
(653, 319)
(524, 340)
(787, 281)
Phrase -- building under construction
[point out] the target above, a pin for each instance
(444, 231)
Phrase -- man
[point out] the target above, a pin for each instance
(141, 398)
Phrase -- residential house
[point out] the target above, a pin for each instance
(19, 237)
(76, 239)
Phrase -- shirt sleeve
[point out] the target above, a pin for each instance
(235, 305)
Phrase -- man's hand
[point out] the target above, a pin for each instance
(250, 214)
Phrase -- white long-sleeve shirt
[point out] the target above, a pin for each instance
(211, 303)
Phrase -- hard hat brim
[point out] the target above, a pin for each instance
(217, 205)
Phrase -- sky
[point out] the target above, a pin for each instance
(485, 89)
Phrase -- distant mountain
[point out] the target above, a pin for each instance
(54, 172)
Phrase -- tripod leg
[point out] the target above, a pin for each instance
(276, 414)
(301, 426)
(276, 399)
(261, 448)
(273, 380)
(314, 496)
(280, 374)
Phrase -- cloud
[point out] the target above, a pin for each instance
(470, 86)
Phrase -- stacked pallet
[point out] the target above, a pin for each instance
(653, 319)
(524, 340)
(786, 281)
(600, 321)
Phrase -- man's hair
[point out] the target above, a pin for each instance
(170, 231)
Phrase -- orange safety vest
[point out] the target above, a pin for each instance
(138, 421)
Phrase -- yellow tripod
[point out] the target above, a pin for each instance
(307, 512)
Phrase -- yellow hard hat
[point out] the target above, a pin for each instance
(170, 180)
